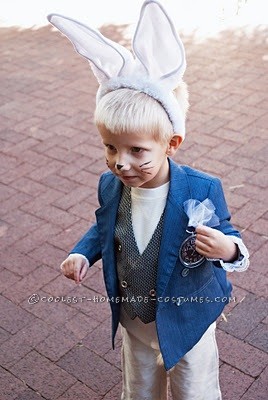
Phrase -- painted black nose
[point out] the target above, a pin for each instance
(119, 166)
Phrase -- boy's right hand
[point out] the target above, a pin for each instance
(75, 267)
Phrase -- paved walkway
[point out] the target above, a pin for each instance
(51, 158)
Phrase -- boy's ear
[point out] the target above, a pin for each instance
(174, 144)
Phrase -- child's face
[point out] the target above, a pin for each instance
(137, 161)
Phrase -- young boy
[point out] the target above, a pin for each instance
(172, 290)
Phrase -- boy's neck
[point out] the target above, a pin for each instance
(144, 189)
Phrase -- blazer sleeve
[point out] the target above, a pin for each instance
(89, 245)
(216, 195)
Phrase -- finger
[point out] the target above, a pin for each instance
(70, 276)
(202, 239)
(204, 230)
(76, 269)
(83, 272)
(202, 248)
(68, 269)
(202, 253)
(63, 265)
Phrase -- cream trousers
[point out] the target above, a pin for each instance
(195, 377)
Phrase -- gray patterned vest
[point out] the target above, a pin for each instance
(137, 272)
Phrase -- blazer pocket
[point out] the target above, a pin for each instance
(189, 281)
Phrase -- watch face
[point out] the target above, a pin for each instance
(189, 257)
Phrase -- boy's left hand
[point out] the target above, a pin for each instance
(212, 243)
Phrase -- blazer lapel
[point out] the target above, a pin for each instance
(106, 218)
(175, 222)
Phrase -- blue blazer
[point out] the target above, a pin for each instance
(189, 300)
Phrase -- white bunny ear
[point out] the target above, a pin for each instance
(158, 66)
(107, 58)
(157, 45)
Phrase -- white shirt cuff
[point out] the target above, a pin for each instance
(242, 263)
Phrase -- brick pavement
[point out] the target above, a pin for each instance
(50, 162)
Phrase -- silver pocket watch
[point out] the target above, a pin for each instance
(188, 254)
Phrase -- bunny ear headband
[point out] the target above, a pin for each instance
(156, 69)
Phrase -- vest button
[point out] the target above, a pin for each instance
(119, 248)
(124, 284)
(152, 293)
(185, 272)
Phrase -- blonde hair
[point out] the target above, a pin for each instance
(130, 111)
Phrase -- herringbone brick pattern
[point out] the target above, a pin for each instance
(51, 158)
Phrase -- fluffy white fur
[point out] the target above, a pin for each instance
(153, 89)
